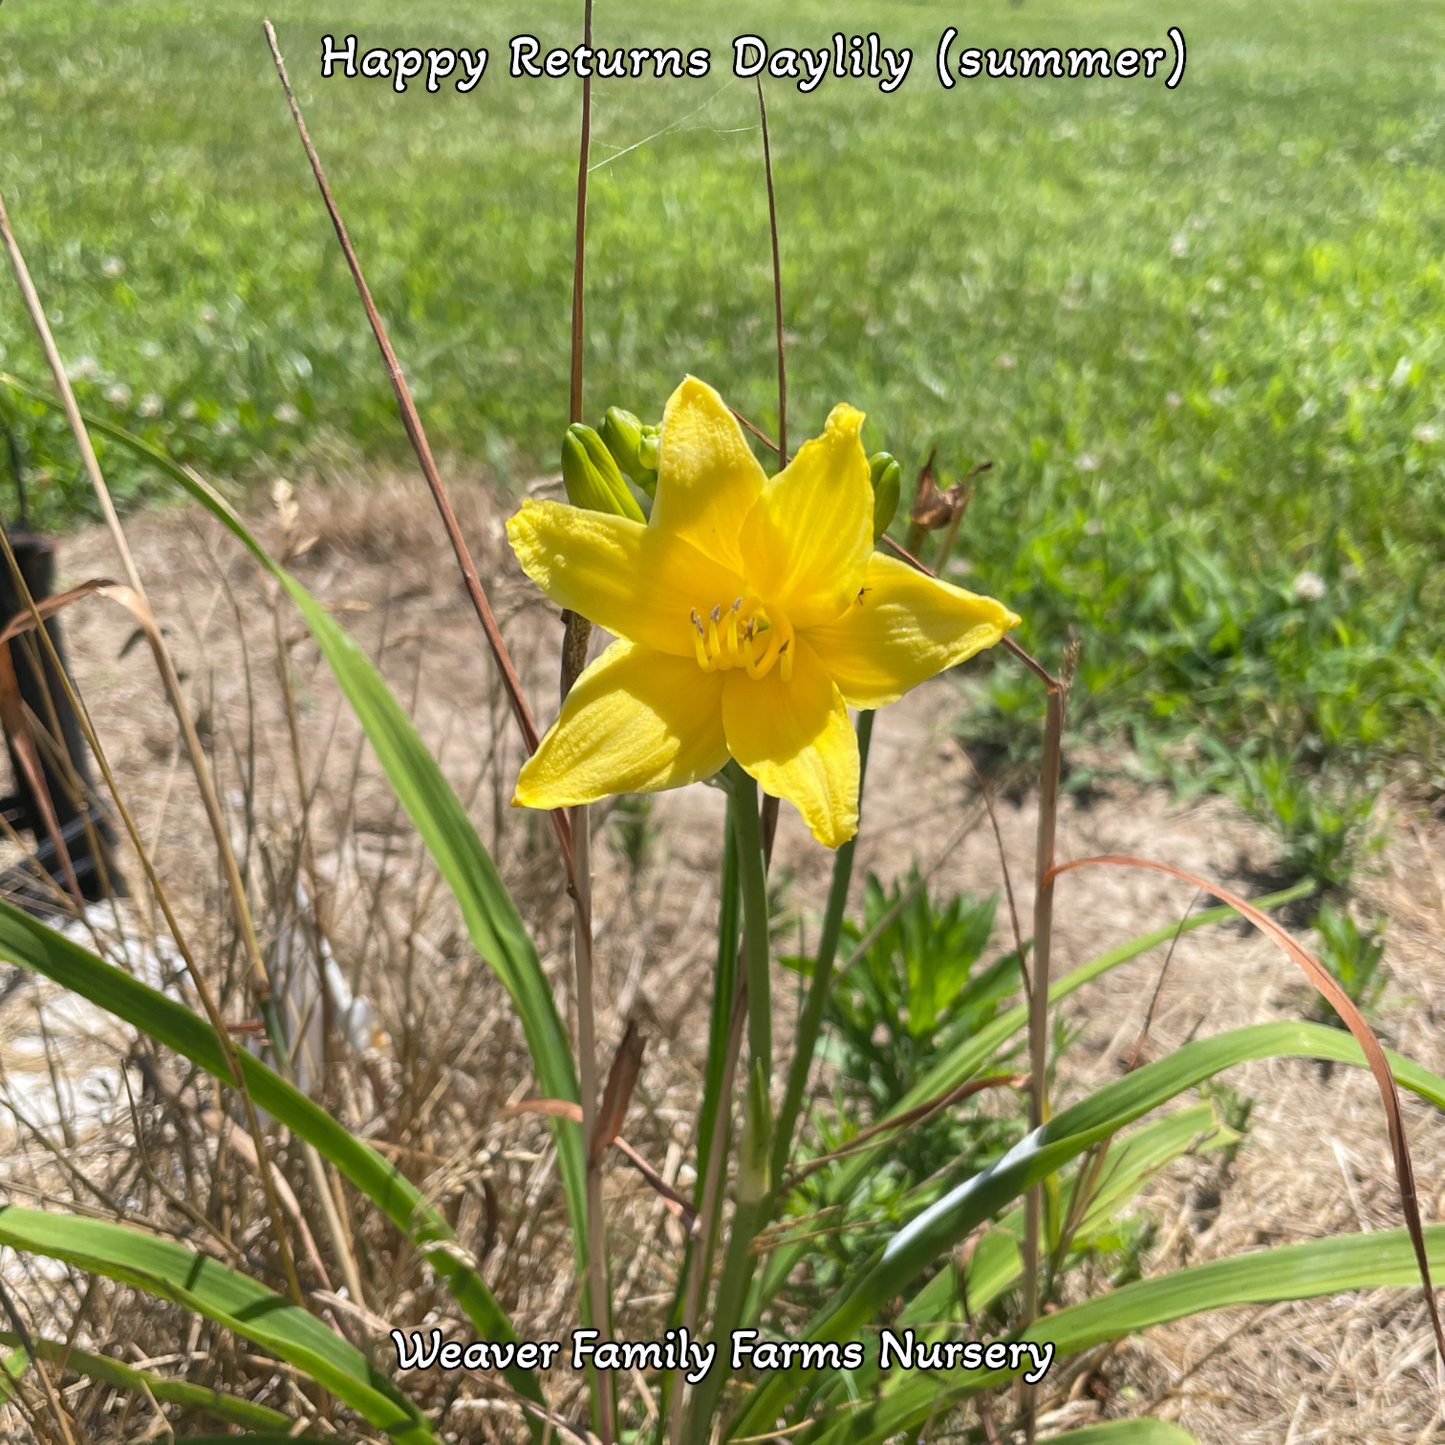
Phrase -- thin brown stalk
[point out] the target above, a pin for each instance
(770, 803)
(782, 446)
(76, 1324)
(1136, 1057)
(320, 1184)
(417, 436)
(580, 240)
(918, 1114)
(1086, 1178)
(763, 437)
(1013, 912)
(574, 659)
(1039, 1003)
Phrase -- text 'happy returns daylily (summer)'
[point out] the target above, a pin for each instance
(750, 613)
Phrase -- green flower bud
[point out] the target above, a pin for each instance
(887, 478)
(755, 1156)
(633, 447)
(647, 449)
(593, 481)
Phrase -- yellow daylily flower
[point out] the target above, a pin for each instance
(750, 615)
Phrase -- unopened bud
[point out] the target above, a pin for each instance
(754, 1159)
(887, 477)
(593, 481)
(633, 447)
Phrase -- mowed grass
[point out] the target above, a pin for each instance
(1198, 332)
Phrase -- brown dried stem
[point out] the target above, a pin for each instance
(417, 436)
(770, 803)
(1039, 1001)
(164, 664)
(577, 634)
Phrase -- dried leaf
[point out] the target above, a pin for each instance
(621, 1080)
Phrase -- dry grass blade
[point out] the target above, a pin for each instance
(27, 1344)
(203, 990)
(49, 606)
(1321, 978)
(204, 781)
(674, 1201)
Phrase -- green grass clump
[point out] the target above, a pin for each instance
(1199, 332)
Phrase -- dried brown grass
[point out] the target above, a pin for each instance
(433, 1094)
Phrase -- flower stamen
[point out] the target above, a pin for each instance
(699, 645)
(722, 642)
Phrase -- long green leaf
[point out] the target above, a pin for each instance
(266, 1438)
(1290, 1272)
(12, 1367)
(216, 1403)
(31, 945)
(170, 1271)
(1130, 1165)
(1147, 1431)
(971, 1054)
(995, 1264)
(493, 923)
(925, 1239)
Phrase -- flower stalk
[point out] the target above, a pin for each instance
(811, 1022)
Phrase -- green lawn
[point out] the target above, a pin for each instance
(1198, 331)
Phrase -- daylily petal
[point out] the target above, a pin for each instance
(795, 739)
(902, 628)
(633, 580)
(707, 475)
(636, 721)
(808, 539)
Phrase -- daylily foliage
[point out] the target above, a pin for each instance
(750, 614)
